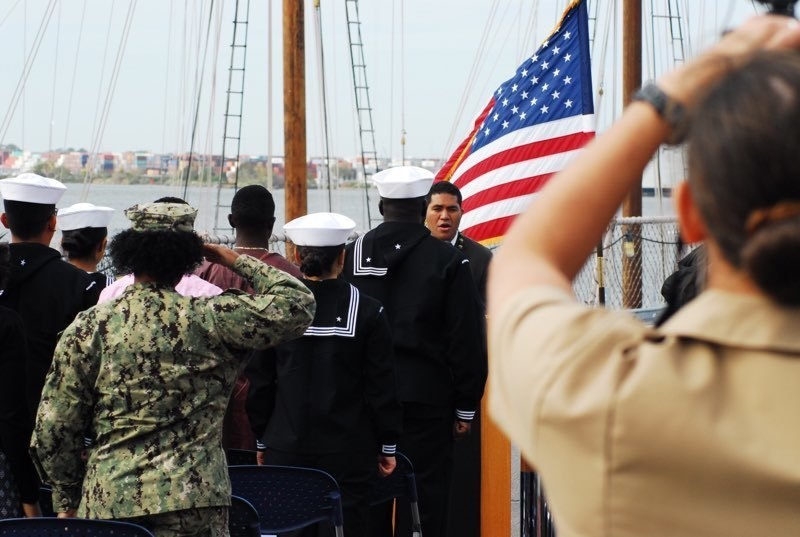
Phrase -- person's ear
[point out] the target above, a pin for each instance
(232, 221)
(101, 249)
(380, 207)
(4, 220)
(52, 223)
(296, 256)
(339, 265)
(693, 229)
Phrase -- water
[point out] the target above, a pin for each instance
(350, 202)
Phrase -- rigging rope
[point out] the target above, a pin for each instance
(470, 79)
(112, 86)
(74, 73)
(92, 156)
(207, 175)
(10, 11)
(197, 102)
(323, 97)
(402, 83)
(55, 78)
(166, 80)
(19, 90)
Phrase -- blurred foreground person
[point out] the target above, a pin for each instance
(690, 428)
(148, 376)
(334, 404)
(84, 233)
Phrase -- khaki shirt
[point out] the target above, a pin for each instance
(691, 429)
(148, 377)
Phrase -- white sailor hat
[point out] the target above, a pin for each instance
(83, 215)
(32, 188)
(403, 182)
(319, 229)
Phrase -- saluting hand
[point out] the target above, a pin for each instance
(216, 253)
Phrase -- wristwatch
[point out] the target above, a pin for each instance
(671, 111)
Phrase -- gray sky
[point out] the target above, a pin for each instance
(419, 57)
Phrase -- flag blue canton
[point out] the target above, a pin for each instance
(546, 87)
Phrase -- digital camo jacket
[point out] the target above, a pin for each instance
(148, 377)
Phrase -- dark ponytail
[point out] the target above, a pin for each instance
(744, 168)
(771, 256)
(81, 243)
(318, 261)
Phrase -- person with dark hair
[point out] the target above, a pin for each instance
(435, 315)
(42, 289)
(189, 284)
(150, 374)
(252, 218)
(442, 218)
(84, 232)
(334, 404)
(689, 428)
(19, 487)
(683, 285)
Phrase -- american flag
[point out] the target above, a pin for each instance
(534, 124)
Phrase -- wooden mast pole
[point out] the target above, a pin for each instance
(294, 108)
(632, 205)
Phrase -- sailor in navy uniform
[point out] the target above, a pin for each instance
(442, 218)
(435, 315)
(45, 291)
(84, 232)
(335, 399)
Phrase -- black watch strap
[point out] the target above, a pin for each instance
(671, 111)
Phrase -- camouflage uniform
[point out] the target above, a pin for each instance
(148, 376)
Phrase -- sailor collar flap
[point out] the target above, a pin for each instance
(337, 316)
(386, 246)
(736, 320)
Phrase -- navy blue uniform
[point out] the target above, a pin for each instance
(435, 315)
(47, 293)
(328, 400)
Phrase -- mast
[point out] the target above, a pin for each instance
(294, 109)
(632, 205)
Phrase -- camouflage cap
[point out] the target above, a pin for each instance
(162, 217)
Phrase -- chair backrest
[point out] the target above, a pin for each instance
(288, 498)
(69, 527)
(402, 483)
(243, 519)
(240, 457)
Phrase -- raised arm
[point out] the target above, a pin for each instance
(549, 243)
(280, 310)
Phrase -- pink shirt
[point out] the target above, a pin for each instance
(190, 285)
